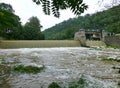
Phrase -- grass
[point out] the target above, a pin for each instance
(117, 35)
(79, 84)
(76, 84)
(28, 69)
(110, 59)
(54, 85)
(113, 46)
(38, 43)
(107, 59)
(3, 61)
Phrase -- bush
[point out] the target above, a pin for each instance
(110, 59)
(28, 69)
(118, 83)
(54, 85)
(79, 84)
(113, 46)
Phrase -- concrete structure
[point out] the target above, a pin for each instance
(113, 41)
(83, 35)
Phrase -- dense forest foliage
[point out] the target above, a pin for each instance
(9, 22)
(108, 20)
(11, 28)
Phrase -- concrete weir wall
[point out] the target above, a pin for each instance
(90, 38)
(95, 43)
(38, 43)
(113, 40)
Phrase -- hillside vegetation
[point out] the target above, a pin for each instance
(108, 20)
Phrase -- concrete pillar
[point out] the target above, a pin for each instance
(81, 37)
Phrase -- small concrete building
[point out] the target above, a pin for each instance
(83, 35)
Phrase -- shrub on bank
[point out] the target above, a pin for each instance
(28, 69)
(110, 59)
(53, 85)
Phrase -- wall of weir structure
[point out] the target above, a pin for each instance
(113, 40)
(6, 44)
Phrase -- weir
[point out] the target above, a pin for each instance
(6, 44)
(95, 43)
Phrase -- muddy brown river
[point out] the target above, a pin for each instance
(62, 65)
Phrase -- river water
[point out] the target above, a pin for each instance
(62, 65)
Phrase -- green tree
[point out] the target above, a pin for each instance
(32, 29)
(6, 7)
(77, 6)
(8, 21)
(34, 23)
(70, 33)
